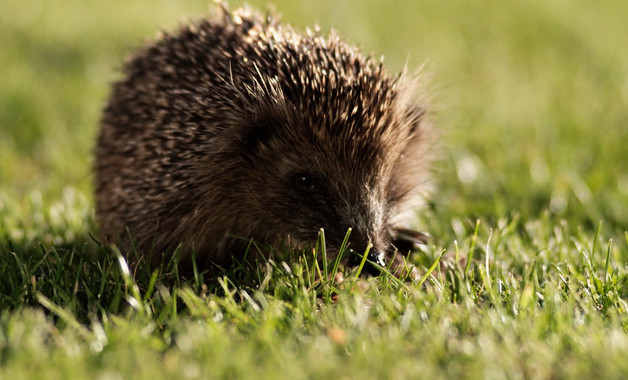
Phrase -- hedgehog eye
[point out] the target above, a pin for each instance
(305, 182)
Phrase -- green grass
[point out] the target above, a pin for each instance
(533, 96)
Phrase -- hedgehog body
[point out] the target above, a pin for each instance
(237, 127)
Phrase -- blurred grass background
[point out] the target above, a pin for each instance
(533, 95)
(533, 98)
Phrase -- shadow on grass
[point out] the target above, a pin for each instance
(91, 280)
(81, 276)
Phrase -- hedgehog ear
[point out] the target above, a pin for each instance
(416, 116)
(256, 137)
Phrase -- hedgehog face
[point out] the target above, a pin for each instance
(306, 177)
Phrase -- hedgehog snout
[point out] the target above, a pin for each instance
(359, 243)
(374, 256)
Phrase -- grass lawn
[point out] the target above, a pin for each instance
(533, 189)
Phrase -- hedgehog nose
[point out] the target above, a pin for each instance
(373, 257)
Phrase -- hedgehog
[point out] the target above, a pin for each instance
(237, 128)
